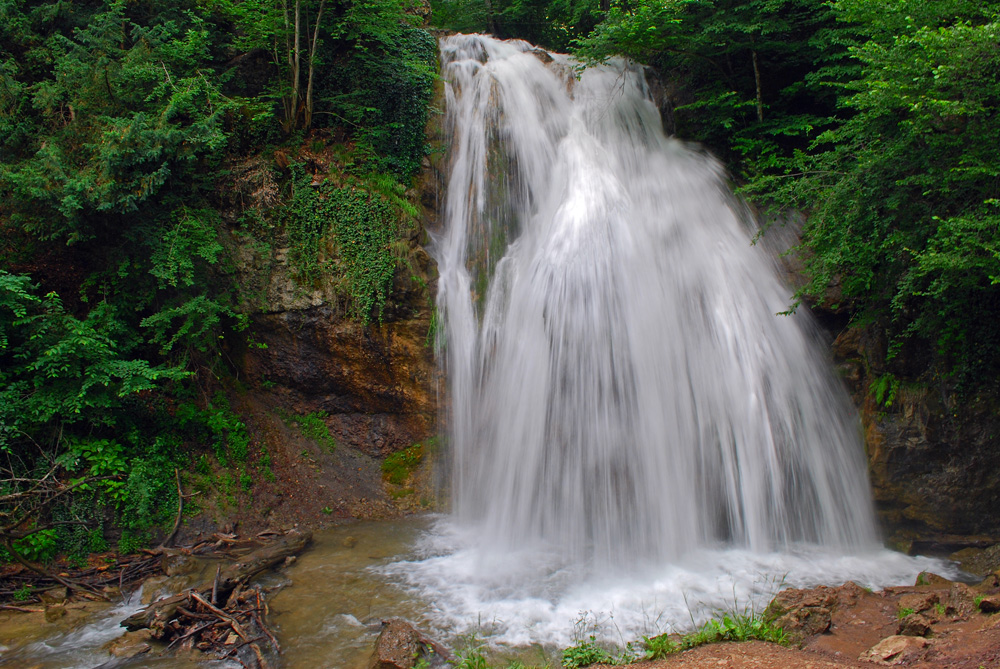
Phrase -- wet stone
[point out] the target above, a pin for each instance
(396, 647)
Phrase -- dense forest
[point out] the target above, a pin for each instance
(141, 142)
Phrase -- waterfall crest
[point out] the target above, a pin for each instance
(620, 383)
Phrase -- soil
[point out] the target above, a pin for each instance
(310, 484)
(959, 636)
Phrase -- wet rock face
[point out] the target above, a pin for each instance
(933, 460)
(376, 383)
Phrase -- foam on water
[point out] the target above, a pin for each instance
(533, 596)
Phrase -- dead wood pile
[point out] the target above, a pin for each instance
(225, 616)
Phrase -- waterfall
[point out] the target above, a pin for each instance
(620, 383)
(632, 427)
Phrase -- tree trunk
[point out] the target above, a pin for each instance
(760, 97)
(296, 69)
(491, 21)
(312, 67)
(286, 101)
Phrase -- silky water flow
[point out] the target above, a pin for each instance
(637, 438)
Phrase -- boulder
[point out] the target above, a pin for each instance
(989, 604)
(978, 561)
(54, 612)
(895, 650)
(397, 646)
(919, 601)
(929, 578)
(804, 613)
(961, 600)
(915, 624)
(54, 595)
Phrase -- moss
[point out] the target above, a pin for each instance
(396, 468)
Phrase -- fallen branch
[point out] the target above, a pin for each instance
(197, 616)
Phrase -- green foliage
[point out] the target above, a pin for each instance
(132, 542)
(660, 646)
(738, 627)
(885, 388)
(398, 467)
(314, 427)
(902, 613)
(363, 227)
(734, 627)
(119, 123)
(585, 654)
(23, 593)
(40, 546)
(390, 83)
(56, 368)
(741, 69)
(904, 191)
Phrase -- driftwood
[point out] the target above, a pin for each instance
(237, 630)
(128, 571)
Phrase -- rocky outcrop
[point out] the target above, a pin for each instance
(934, 461)
(374, 383)
(805, 613)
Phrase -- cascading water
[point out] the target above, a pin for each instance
(620, 383)
(624, 398)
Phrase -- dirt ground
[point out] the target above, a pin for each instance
(945, 630)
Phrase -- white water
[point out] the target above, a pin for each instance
(634, 431)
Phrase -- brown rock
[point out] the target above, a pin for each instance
(920, 601)
(991, 582)
(130, 644)
(177, 564)
(805, 613)
(396, 647)
(990, 604)
(978, 561)
(151, 587)
(895, 650)
(961, 600)
(915, 624)
(54, 595)
(928, 578)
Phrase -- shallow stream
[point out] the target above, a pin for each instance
(326, 606)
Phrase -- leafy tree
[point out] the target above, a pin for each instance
(903, 194)
(739, 69)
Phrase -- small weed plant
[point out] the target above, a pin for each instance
(396, 468)
(730, 627)
(585, 654)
